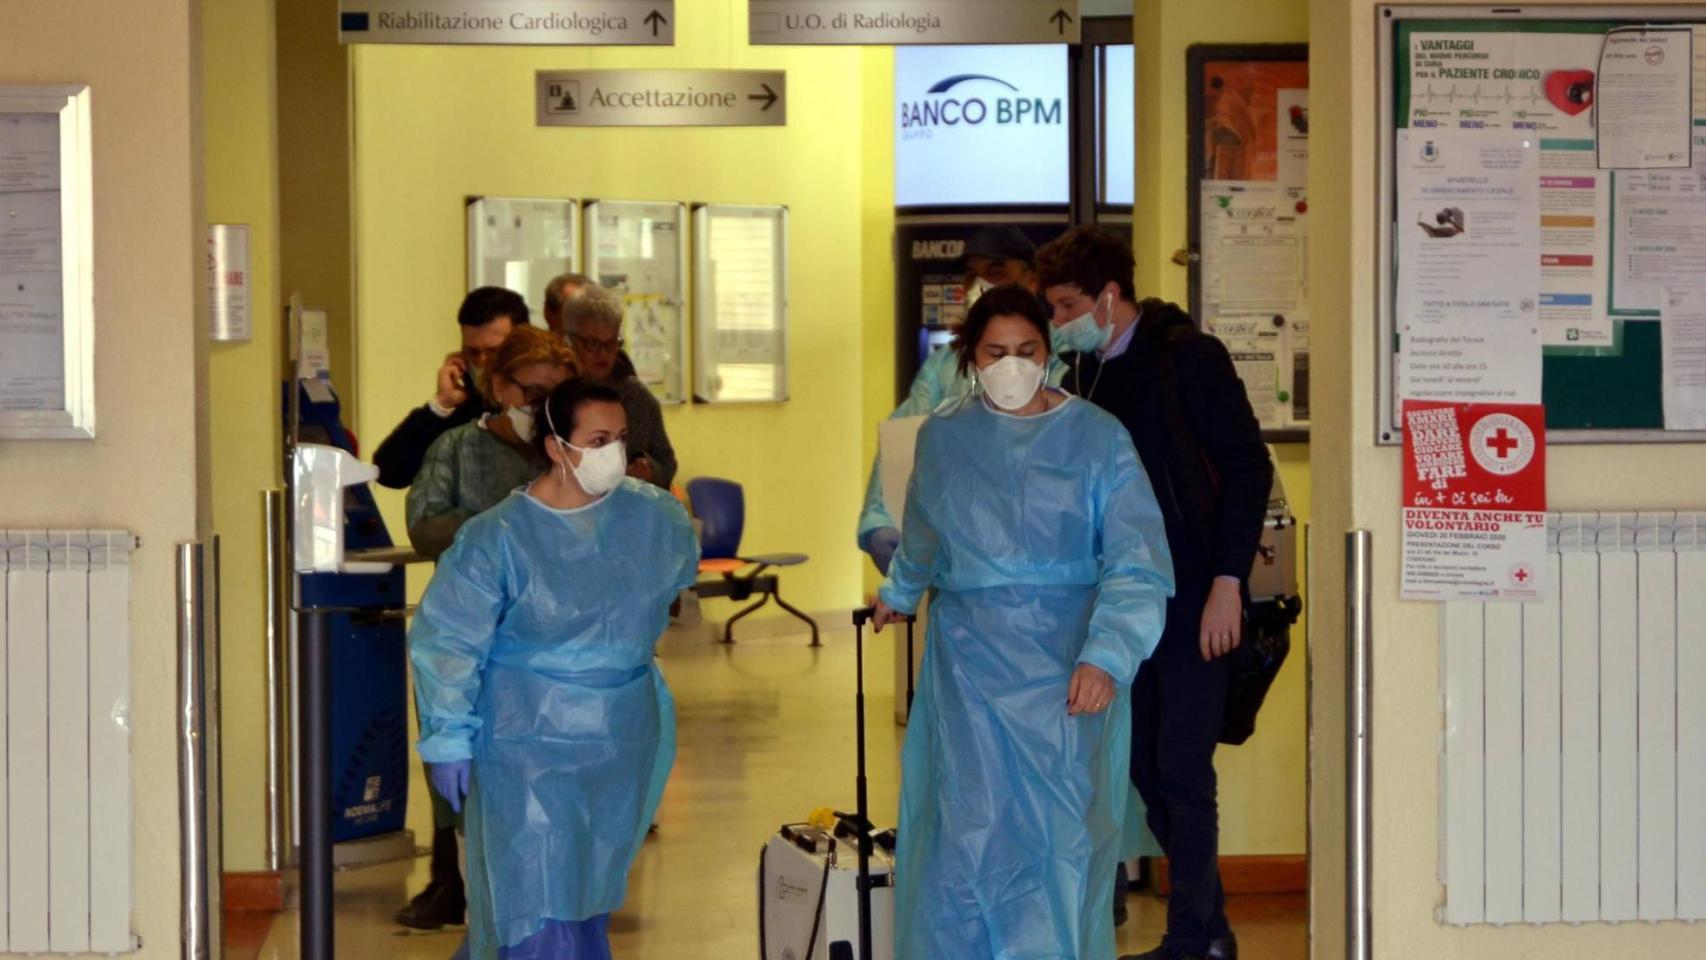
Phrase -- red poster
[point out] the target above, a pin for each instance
(1474, 501)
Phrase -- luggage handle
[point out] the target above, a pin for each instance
(861, 617)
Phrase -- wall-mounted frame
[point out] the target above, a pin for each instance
(47, 309)
(1602, 367)
(638, 251)
(740, 304)
(1247, 200)
(522, 243)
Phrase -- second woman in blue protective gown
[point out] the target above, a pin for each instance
(538, 694)
(1031, 521)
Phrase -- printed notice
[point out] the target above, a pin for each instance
(1255, 253)
(1474, 501)
(1684, 336)
(1645, 98)
(1661, 236)
(1255, 346)
(1468, 266)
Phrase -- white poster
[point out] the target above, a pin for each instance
(1468, 266)
(1684, 340)
(1255, 253)
(32, 293)
(1661, 235)
(637, 253)
(1644, 99)
(1256, 344)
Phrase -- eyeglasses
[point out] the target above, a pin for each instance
(590, 345)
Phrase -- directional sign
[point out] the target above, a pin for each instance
(662, 98)
(888, 22)
(554, 22)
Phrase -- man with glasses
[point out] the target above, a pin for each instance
(594, 324)
(486, 317)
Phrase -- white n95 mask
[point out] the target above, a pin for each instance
(1011, 381)
(521, 421)
(1082, 334)
(601, 468)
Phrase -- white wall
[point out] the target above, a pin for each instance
(147, 469)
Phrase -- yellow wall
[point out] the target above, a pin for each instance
(878, 119)
(145, 471)
(434, 125)
(1357, 486)
(1262, 793)
(241, 169)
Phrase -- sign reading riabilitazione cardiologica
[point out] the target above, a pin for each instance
(553, 22)
(894, 22)
(662, 98)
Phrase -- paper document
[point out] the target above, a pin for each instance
(1645, 98)
(1254, 343)
(1661, 236)
(1254, 248)
(896, 442)
(1468, 266)
(32, 294)
(1684, 337)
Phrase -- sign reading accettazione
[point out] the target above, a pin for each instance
(554, 22)
(662, 98)
(885, 22)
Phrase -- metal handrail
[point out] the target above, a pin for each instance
(277, 673)
(1359, 780)
(193, 851)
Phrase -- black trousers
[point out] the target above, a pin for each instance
(1177, 705)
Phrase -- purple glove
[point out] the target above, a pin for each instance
(450, 781)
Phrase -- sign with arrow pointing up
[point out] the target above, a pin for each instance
(895, 22)
(661, 98)
(553, 22)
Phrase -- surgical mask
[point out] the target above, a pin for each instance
(601, 468)
(521, 421)
(1082, 334)
(1011, 381)
(978, 288)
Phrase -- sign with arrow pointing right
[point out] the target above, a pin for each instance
(894, 22)
(661, 98)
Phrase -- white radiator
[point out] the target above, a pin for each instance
(1573, 765)
(65, 854)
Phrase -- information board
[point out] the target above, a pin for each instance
(740, 306)
(1249, 220)
(899, 22)
(549, 22)
(1619, 251)
(522, 243)
(47, 368)
(638, 251)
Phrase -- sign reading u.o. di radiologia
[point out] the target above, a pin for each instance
(894, 22)
(545, 22)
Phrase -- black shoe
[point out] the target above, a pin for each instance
(1222, 948)
(440, 905)
(1159, 953)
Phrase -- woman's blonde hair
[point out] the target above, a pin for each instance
(526, 345)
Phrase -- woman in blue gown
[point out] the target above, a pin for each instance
(1031, 521)
(539, 699)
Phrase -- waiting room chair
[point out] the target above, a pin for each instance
(720, 508)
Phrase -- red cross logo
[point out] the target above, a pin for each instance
(1503, 444)
(1521, 575)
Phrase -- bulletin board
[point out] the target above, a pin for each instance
(740, 304)
(638, 251)
(522, 243)
(1529, 75)
(1248, 166)
(47, 332)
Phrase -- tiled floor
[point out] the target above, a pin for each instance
(766, 734)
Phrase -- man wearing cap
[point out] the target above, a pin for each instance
(994, 257)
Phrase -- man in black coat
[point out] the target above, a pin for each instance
(487, 315)
(1178, 394)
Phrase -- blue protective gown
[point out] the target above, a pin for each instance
(938, 381)
(532, 651)
(1044, 547)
